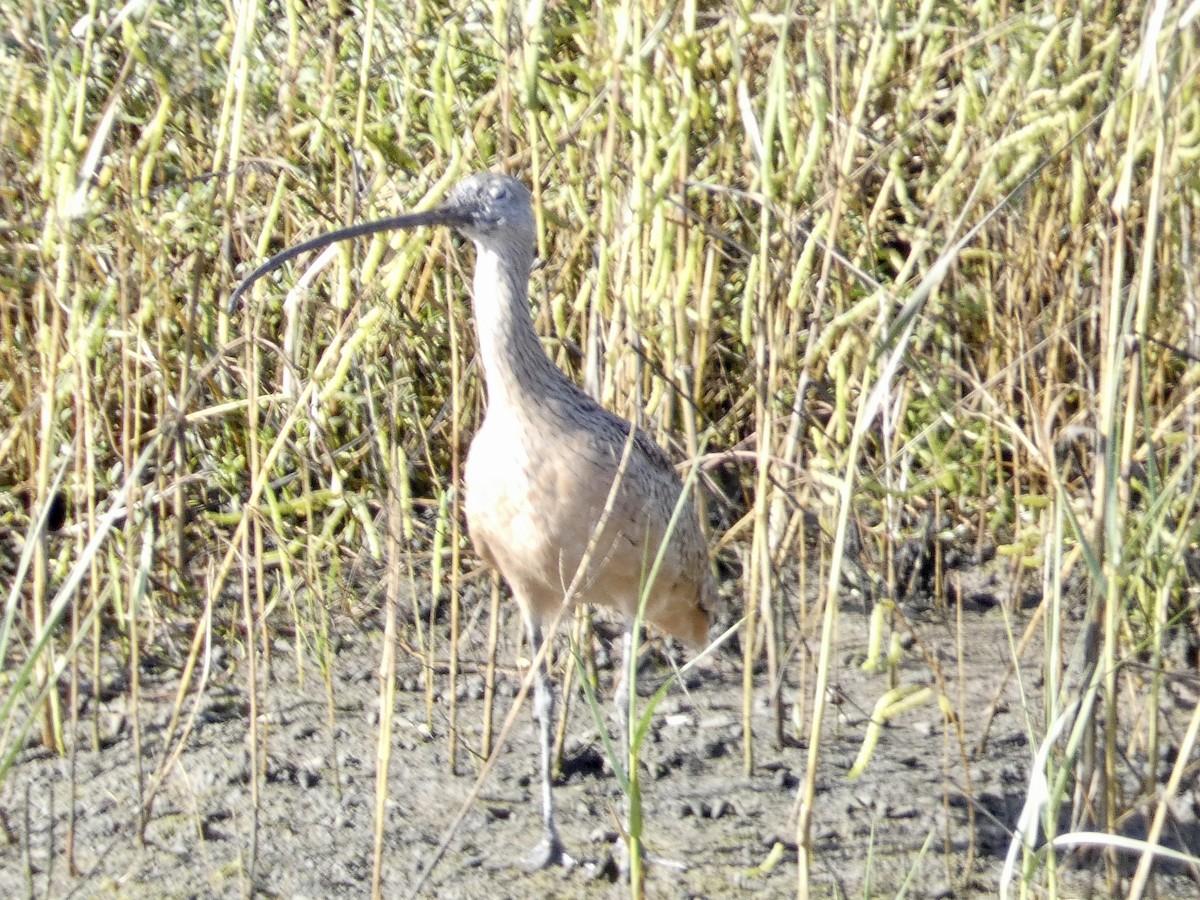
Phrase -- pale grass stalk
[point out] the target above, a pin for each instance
(455, 518)
(235, 119)
(583, 665)
(489, 676)
(967, 869)
(257, 750)
(364, 72)
(441, 528)
(1151, 848)
(387, 672)
(47, 448)
(1053, 691)
(137, 596)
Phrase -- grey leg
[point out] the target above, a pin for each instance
(549, 851)
(621, 693)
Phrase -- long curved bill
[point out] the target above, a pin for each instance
(441, 215)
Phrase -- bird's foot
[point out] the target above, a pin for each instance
(621, 857)
(548, 852)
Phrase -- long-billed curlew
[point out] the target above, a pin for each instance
(541, 471)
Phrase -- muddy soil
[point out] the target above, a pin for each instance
(905, 823)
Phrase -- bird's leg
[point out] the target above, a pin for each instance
(621, 694)
(549, 851)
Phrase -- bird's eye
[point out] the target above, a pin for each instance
(499, 192)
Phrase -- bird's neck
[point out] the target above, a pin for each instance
(516, 368)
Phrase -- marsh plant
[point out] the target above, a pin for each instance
(915, 275)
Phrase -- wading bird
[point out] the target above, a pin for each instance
(551, 473)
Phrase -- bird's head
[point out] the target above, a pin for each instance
(494, 211)
(491, 210)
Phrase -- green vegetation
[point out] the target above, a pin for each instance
(922, 269)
